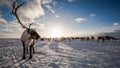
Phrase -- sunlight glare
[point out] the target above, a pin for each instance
(56, 33)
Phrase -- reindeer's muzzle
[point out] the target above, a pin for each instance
(37, 37)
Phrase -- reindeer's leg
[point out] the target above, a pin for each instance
(33, 47)
(23, 50)
(31, 52)
(27, 50)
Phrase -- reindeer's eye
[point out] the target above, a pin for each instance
(33, 32)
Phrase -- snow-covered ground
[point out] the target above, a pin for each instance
(75, 54)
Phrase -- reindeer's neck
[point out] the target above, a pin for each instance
(29, 42)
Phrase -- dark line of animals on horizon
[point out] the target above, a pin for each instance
(87, 38)
(98, 39)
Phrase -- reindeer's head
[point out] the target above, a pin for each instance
(33, 34)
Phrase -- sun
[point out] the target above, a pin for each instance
(55, 33)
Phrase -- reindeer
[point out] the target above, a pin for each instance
(28, 36)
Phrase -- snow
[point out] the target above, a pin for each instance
(51, 54)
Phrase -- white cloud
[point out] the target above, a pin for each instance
(9, 27)
(46, 1)
(57, 16)
(3, 21)
(38, 26)
(71, 0)
(10, 35)
(8, 30)
(14, 24)
(50, 9)
(11, 24)
(42, 26)
(31, 10)
(92, 15)
(80, 19)
(115, 24)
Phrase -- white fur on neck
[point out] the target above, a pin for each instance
(26, 38)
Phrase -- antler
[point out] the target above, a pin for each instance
(15, 7)
(30, 25)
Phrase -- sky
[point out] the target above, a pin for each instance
(66, 17)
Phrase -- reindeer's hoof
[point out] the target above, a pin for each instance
(23, 58)
(33, 52)
(30, 57)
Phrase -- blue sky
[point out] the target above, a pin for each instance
(70, 17)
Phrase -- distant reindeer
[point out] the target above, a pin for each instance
(106, 38)
(87, 38)
(101, 38)
(28, 36)
(92, 38)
